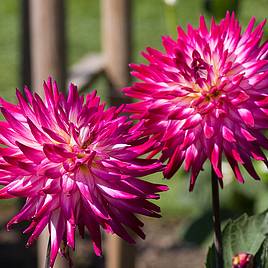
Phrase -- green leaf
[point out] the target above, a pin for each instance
(245, 234)
(261, 259)
(211, 257)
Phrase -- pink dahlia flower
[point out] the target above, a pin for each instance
(206, 95)
(77, 164)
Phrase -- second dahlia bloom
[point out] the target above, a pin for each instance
(205, 96)
(77, 164)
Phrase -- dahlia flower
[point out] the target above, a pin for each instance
(77, 164)
(206, 96)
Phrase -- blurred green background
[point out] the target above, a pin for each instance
(151, 20)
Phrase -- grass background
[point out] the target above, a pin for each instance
(83, 36)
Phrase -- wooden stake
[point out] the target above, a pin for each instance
(47, 42)
(116, 45)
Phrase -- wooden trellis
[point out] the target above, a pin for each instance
(45, 29)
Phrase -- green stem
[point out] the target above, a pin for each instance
(216, 218)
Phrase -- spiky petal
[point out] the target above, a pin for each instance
(205, 96)
(77, 164)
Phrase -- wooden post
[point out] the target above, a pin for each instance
(116, 45)
(47, 58)
(47, 42)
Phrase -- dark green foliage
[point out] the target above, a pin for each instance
(245, 234)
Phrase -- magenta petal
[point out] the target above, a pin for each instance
(38, 229)
(57, 227)
(49, 151)
(32, 154)
(208, 131)
(70, 233)
(228, 134)
(247, 135)
(27, 111)
(192, 121)
(246, 116)
(174, 163)
(54, 135)
(15, 124)
(94, 230)
(215, 160)
(115, 193)
(38, 135)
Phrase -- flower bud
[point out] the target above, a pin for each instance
(242, 260)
